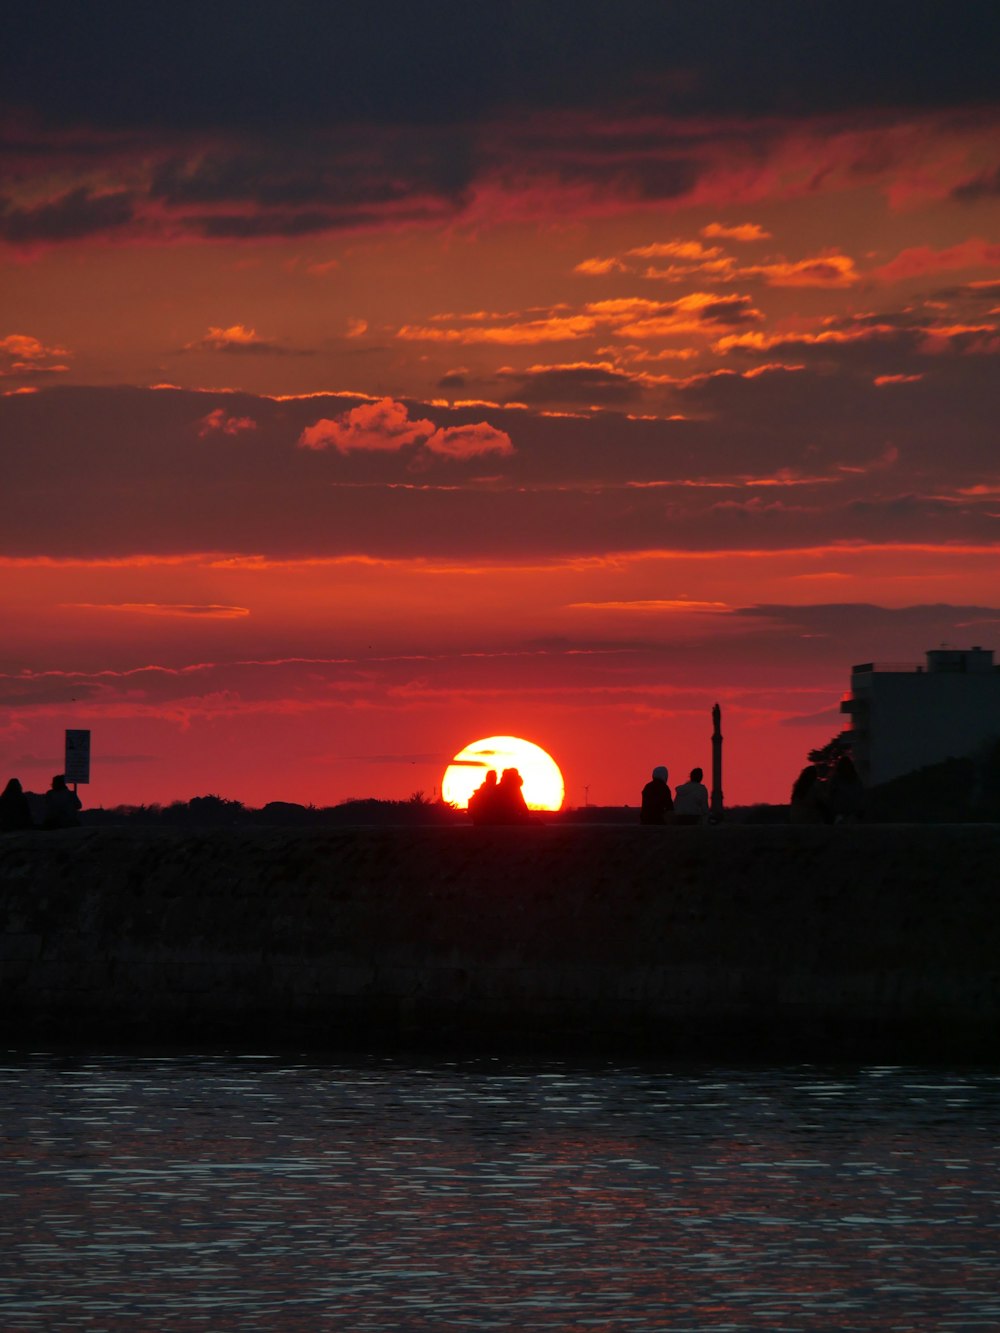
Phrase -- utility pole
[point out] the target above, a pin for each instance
(716, 803)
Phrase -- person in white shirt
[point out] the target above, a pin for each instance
(691, 800)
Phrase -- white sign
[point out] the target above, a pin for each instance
(77, 767)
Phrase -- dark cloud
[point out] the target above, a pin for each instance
(849, 633)
(836, 618)
(239, 122)
(984, 186)
(309, 179)
(865, 632)
(69, 217)
(934, 387)
(970, 295)
(293, 187)
(730, 310)
(658, 180)
(254, 65)
(127, 471)
(576, 384)
(326, 171)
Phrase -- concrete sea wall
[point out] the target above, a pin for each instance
(817, 943)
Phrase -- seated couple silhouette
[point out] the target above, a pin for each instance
(499, 802)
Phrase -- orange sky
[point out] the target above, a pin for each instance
(558, 407)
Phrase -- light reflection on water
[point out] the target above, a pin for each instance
(196, 1192)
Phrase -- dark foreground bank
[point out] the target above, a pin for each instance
(816, 943)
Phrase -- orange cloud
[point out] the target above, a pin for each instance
(827, 270)
(472, 402)
(830, 269)
(26, 348)
(769, 368)
(558, 328)
(657, 604)
(652, 319)
(744, 231)
(764, 342)
(598, 267)
(22, 355)
(921, 259)
(706, 377)
(235, 338)
(470, 441)
(382, 426)
(223, 340)
(724, 270)
(217, 422)
(385, 426)
(692, 313)
(970, 339)
(692, 250)
(473, 316)
(635, 352)
(881, 380)
(626, 307)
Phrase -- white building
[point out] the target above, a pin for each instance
(905, 717)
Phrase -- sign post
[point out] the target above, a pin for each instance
(77, 764)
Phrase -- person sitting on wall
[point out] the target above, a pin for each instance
(62, 806)
(657, 803)
(845, 793)
(15, 812)
(483, 799)
(691, 800)
(807, 805)
(510, 806)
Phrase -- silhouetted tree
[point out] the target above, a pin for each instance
(828, 754)
(214, 810)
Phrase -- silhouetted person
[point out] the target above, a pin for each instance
(509, 803)
(483, 800)
(691, 800)
(62, 806)
(845, 793)
(657, 803)
(15, 812)
(808, 803)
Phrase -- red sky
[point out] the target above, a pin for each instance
(369, 388)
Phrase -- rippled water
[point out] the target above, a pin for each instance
(245, 1192)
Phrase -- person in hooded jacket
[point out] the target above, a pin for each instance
(15, 812)
(657, 803)
(483, 799)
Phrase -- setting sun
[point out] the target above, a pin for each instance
(543, 782)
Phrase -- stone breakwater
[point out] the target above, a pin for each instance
(743, 941)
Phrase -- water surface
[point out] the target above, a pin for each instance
(188, 1191)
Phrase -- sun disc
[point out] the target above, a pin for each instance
(543, 782)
